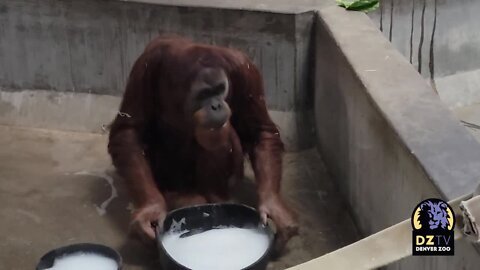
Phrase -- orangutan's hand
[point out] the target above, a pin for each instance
(146, 218)
(284, 218)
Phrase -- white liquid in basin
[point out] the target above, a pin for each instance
(218, 249)
(84, 261)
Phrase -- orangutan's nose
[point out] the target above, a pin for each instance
(218, 113)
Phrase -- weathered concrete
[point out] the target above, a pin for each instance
(440, 39)
(53, 185)
(89, 47)
(276, 6)
(384, 134)
(460, 89)
(456, 44)
(470, 115)
(58, 110)
(91, 113)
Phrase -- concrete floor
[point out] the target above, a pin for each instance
(54, 184)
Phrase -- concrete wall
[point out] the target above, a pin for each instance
(384, 134)
(440, 38)
(88, 47)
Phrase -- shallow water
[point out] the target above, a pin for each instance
(222, 249)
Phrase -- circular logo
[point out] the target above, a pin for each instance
(433, 215)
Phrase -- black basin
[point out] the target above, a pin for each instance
(48, 259)
(209, 216)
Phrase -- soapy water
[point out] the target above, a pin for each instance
(217, 249)
(84, 261)
(102, 209)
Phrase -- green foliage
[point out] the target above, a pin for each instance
(359, 5)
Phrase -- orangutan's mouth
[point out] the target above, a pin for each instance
(219, 128)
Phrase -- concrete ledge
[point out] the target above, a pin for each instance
(57, 110)
(89, 112)
(385, 134)
(274, 6)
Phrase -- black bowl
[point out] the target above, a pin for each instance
(209, 216)
(48, 259)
